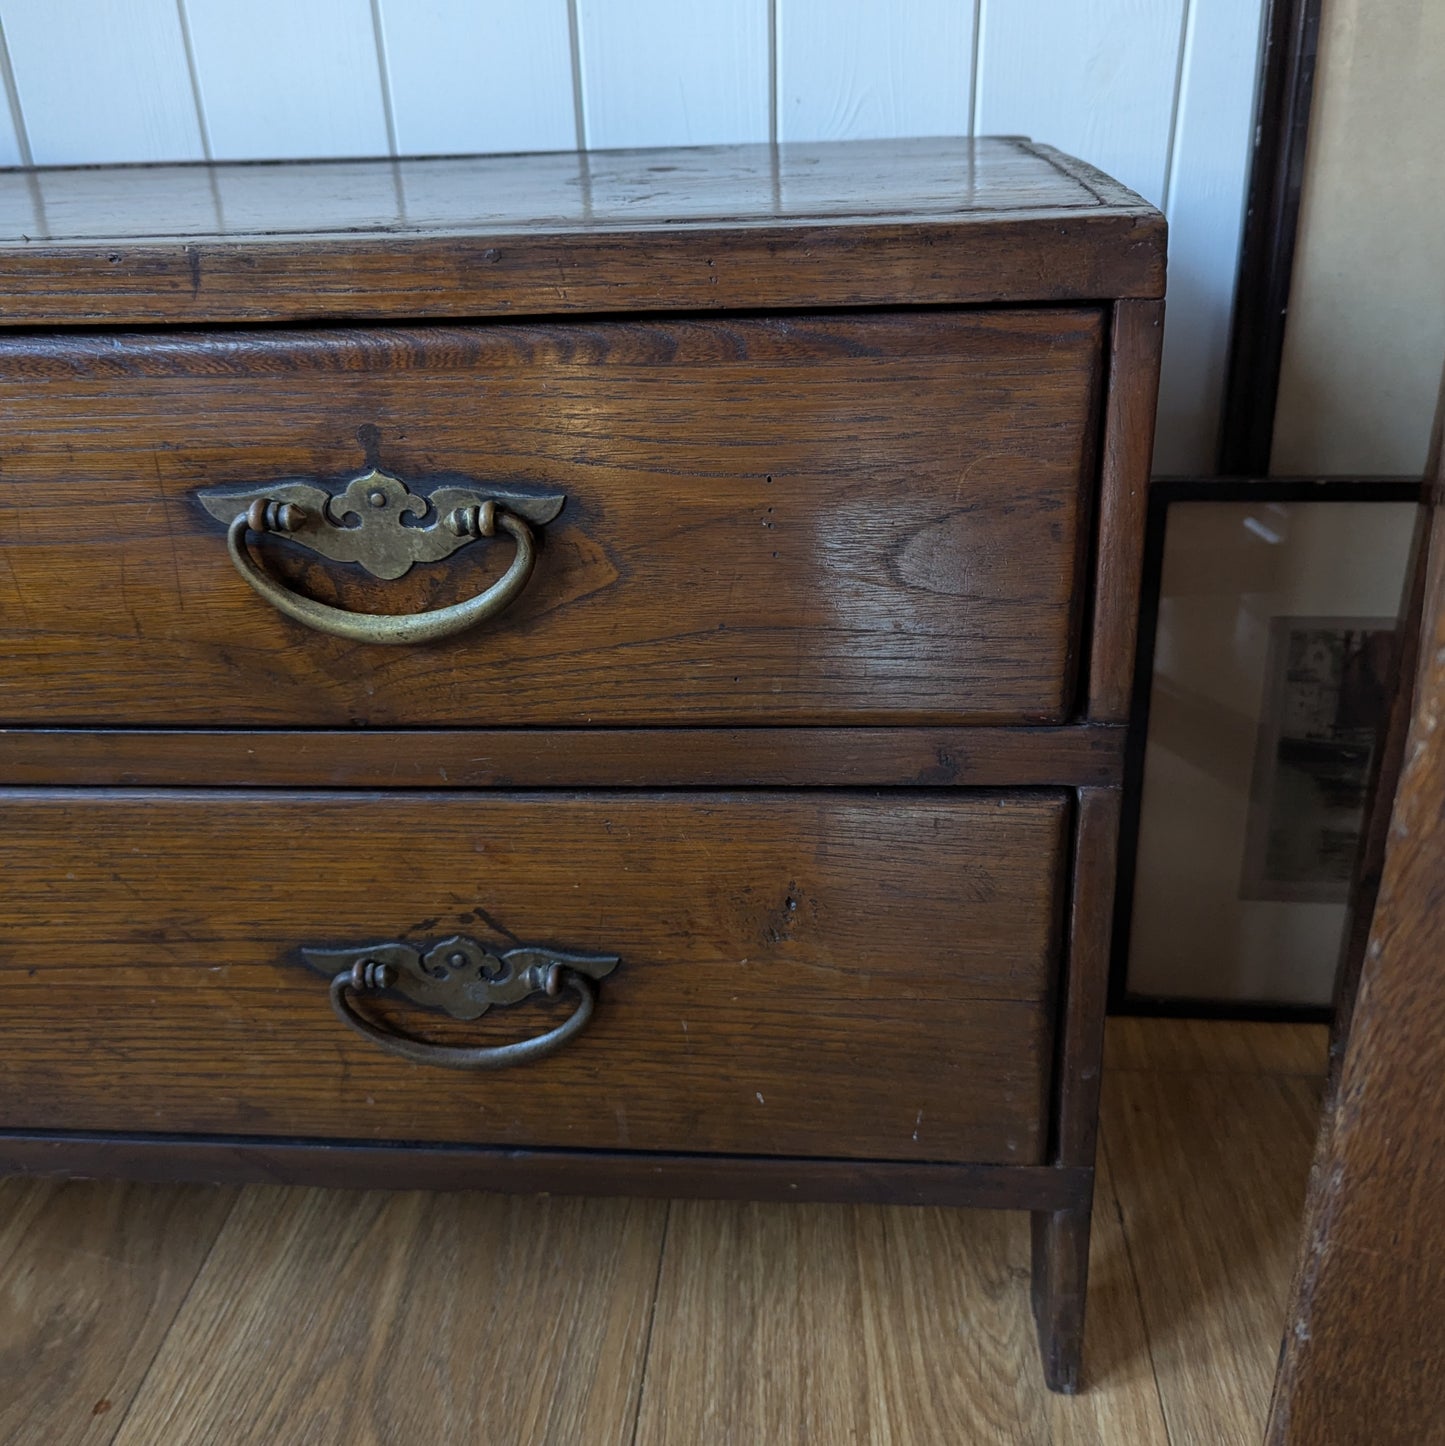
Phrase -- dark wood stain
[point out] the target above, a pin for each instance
(339, 1164)
(1061, 1236)
(805, 973)
(927, 222)
(1135, 345)
(811, 711)
(1363, 1358)
(984, 757)
(771, 521)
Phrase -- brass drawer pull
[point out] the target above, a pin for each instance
(386, 537)
(462, 978)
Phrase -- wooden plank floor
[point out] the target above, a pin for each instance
(142, 1315)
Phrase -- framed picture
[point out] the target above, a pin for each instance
(1264, 672)
(1326, 691)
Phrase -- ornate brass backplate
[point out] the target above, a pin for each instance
(459, 975)
(377, 520)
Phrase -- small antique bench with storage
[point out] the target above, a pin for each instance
(575, 672)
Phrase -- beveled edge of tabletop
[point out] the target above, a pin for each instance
(833, 224)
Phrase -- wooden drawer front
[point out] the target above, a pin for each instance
(871, 519)
(806, 973)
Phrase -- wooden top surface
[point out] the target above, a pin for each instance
(840, 223)
(731, 186)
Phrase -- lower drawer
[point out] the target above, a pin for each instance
(800, 973)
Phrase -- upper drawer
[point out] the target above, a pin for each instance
(869, 519)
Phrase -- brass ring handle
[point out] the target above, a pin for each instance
(393, 628)
(364, 977)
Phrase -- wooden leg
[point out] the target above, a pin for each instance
(1060, 1275)
(1061, 1237)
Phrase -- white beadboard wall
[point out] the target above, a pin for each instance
(1158, 92)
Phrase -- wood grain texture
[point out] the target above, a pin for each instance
(1210, 1174)
(957, 181)
(1058, 1287)
(1060, 1238)
(1387, 760)
(845, 542)
(854, 223)
(22, 1200)
(802, 973)
(89, 1288)
(1363, 1358)
(1201, 1046)
(350, 1166)
(1138, 334)
(379, 1319)
(985, 757)
(131, 52)
(876, 1325)
(1085, 986)
(791, 520)
(939, 1336)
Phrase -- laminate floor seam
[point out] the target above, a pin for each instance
(1134, 1285)
(21, 1236)
(651, 1319)
(181, 1304)
(1172, 1290)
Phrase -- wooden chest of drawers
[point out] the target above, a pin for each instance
(698, 585)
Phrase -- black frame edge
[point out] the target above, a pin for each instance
(1162, 493)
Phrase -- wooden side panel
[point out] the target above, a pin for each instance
(1364, 1358)
(802, 974)
(1138, 335)
(1388, 758)
(1086, 986)
(788, 520)
(1061, 1237)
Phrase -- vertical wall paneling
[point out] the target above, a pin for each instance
(874, 68)
(492, 77)
(11, 151)
(675, 72)
(102, 82)
(282, 78)
(1158, 92)
(1208, 177)
(1096, 78)
(9, 141)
